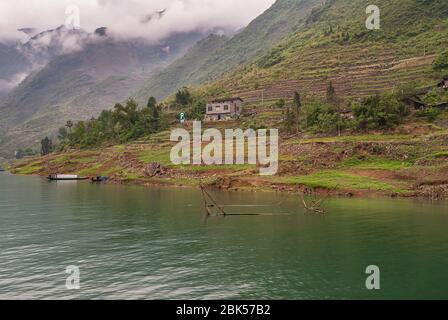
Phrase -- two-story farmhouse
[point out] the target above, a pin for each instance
(224, 109)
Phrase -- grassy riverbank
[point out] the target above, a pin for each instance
(409, 161)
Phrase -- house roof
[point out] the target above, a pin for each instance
(226, 99)
(415, 100)
(441, 105)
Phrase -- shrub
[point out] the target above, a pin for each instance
(321, 117)
(379, 112)
(432, 97)
(197, 109)
(441, 62)
(275, 56)
(431, 114)
(280, 103)
(183, 97)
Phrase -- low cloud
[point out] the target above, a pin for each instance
(150, 19)
(8, 85)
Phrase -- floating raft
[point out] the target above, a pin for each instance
(65, 177)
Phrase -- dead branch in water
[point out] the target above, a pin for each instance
(206, 196)
(316, 206)
(207, 209)
(313, 207)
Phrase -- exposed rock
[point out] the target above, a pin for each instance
(154, 169)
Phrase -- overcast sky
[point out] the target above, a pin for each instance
(130, 17)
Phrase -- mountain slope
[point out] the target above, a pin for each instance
(181, 71)
(13, 67)
(211, 59)
(336, 46)
(81, 83)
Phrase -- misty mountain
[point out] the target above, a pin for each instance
(73, 76)
(18, 60)
(14, 66)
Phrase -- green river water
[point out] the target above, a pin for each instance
(148, 243)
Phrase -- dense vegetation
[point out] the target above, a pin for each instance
(441, 62)
(381, 111)
(124, 123)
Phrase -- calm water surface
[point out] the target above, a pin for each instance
(142, 243)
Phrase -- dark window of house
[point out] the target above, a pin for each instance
(226, 107)
(210, 108)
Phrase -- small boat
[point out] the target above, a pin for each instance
(2, 170)
(65, 177)
(100, 179)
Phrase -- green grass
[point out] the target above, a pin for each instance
(89, 171)
(161, 156)
(234, 167)
(30, 168)
(84, 157)
(375, 164)
(353, 138)
(331, 179)
(131, 176)
(86, 160)
(112, 170)
(437, 155)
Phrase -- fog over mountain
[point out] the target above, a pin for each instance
(149, 19)
(73, 75)
(53, 69)
(30, 36)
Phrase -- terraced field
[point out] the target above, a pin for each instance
(335, 46)
(353, 71)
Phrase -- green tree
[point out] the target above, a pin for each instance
(333, 100)
(183, 97)
(47, 146)
(441, 62)
(154, 114)
(280, 103)
(297, 103)
(69, 125)
(197, 109)
(62, 134)
(152, 103)
(321, 117)
(124, 123)
(19, 154)
(331, 94)
(290, 121)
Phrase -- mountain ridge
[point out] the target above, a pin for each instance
(335, 46)
(81, 83)
(263, 32)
